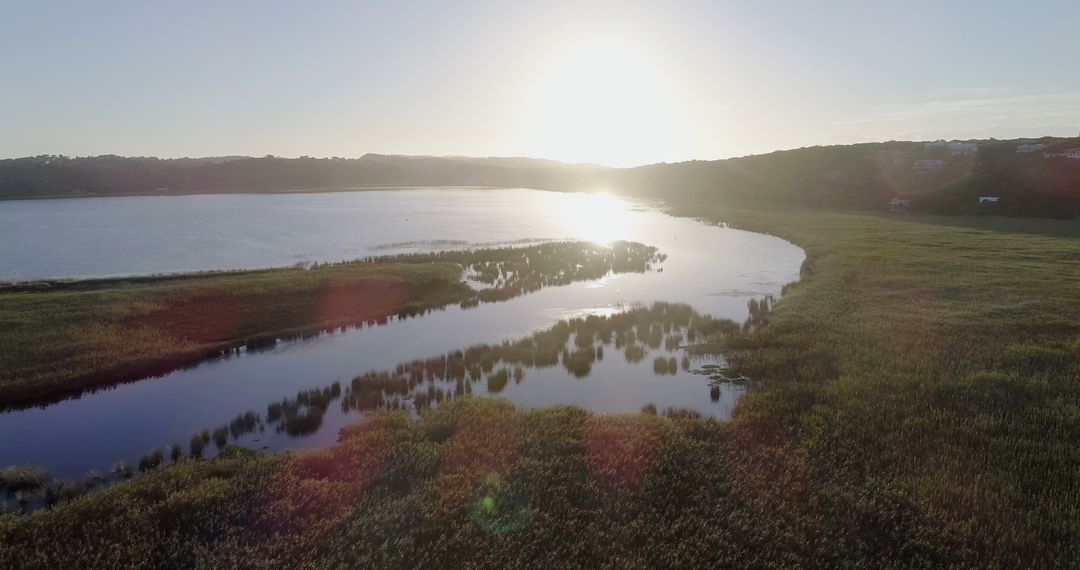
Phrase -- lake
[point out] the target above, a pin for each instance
(714, 270)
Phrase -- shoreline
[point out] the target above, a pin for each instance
(257, 191)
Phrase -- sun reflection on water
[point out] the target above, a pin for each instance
(598, 217)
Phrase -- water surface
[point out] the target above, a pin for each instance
(715, 270)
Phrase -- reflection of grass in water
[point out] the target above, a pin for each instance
(93, 478)
(62, 490)
(577, 344)
(197, 444)
(497, 381)
(665, 365)
(579, 362)
(221, 436)
(15, 478)
(304, 422)
(122, 470)
(152, 460)
(422, 380)
(176, 452)
(298, 416)
(869, 445)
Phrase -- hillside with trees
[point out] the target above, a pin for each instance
(936, 177)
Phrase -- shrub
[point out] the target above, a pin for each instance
(62, 490)
(93, 478)
(196, 446)
(152, 460)
(16, 478)
(122, 470)
(221, 436)
(176, 452)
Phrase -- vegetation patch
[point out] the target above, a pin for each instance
(914, 405)
(62, 337)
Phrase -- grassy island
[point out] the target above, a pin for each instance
(61, 337)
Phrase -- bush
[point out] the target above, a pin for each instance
(62, 490)
(16, 478)
(196, 446)
(122, 470)
(152, 460)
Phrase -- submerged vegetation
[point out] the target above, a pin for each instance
(420, 385)
(577, 344)
(61, 337)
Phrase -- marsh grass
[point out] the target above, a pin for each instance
(66, 336)
(154, 459)
(22, 478)
(122, 470)
(301, 415)
(197, 444)
(928, 367)
(914, 406)
(176, 452)
(576, 344)
(93, 479)
(62, 490)
(220, 436)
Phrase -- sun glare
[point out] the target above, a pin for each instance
(606, 100)
(600, 218)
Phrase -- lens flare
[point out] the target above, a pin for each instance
(498, 509)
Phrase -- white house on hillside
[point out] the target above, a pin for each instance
(988, 199)
(959, 148)
(927, 165)
(891, 158)
(1028, 148)
(954, 147)
(1067, 153)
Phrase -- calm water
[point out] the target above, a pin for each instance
(715, 270)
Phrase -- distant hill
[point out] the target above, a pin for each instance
(937, 177)
(59, 176)
(1030, 177)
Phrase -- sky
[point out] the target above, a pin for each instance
(616, 83)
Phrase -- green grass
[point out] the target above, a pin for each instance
(928, 369)
(66, 336)
(61, 337)
(916, 404)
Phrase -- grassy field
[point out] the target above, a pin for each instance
(64, 336)
(928, 374)
(919, 407)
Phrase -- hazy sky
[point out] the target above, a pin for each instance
(620, 83)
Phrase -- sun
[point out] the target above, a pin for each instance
(597, 217)
(603, 99)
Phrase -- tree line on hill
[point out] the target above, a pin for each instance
(935, 178)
